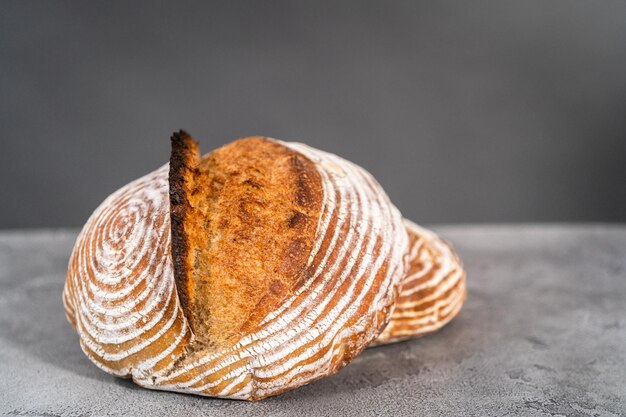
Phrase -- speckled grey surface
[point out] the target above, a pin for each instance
(543, 333)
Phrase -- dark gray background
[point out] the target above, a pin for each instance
(481, 111)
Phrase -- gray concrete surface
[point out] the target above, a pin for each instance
(543, 334)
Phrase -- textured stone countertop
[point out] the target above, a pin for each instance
(543, 333)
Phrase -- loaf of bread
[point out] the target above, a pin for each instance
(253, 270)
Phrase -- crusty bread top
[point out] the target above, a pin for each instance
(244, 219)
(286, 260)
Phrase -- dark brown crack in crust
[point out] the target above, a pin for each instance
(184, 160)
(244, 220)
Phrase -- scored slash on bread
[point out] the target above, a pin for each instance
(260, 267)
(243, 223)
(184, 159)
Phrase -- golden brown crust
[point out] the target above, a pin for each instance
(243, 225)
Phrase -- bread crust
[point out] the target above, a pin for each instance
(431, 293)
(244, 219)
(253, 270)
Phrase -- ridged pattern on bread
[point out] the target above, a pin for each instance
(121, 294)
(432, 292)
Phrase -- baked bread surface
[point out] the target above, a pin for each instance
(432, 291)
(284, 264)
(244, 220)
(248, 272)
